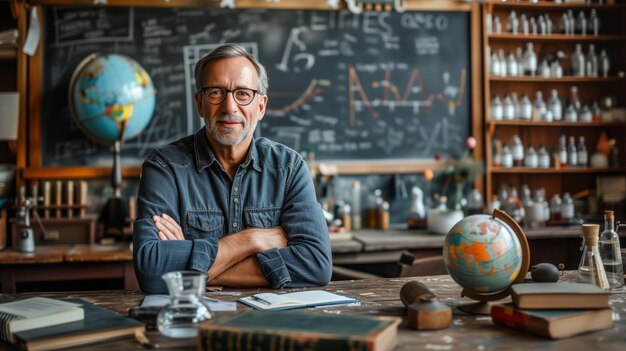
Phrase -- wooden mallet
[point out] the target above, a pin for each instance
(424, 312)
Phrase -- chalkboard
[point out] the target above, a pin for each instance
(373, 86)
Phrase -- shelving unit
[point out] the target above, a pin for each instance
(612, 37)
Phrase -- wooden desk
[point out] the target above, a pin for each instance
(374, 247)
(66, 263)
(381, 297)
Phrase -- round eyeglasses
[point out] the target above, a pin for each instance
(217, 95)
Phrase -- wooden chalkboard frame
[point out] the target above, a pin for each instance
(29, 151)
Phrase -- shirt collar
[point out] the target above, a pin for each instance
(205, 156)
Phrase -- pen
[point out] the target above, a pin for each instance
(260, 299)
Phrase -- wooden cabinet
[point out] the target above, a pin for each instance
(535, 131)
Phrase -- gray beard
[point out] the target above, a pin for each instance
(229, 139)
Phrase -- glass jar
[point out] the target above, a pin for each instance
(590, 268)
(180, 317)
(610, 252)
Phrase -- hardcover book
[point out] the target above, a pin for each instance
(98, 325)
(554, 324)
(298, 330)
(35, 312)
(558, 295)
(308, 298)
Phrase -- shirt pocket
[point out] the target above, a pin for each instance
(204, 224)
(268, 217)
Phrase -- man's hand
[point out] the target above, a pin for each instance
(168, 228)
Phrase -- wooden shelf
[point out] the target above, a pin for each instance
(564, 79)
(556, 37)
(48, 173)
(554, 124)
(551, 5)
(565, 170)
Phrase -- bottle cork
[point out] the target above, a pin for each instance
(590, 232)
(608, 214)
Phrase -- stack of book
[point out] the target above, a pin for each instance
(555, 310)
(41, 323)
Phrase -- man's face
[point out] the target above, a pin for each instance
(228, 123)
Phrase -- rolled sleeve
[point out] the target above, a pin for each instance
(274, 268)
(203, 255)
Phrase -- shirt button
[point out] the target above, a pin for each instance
(235, 200)
(235, 225)
(235, 189)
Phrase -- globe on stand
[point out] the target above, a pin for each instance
(111, 99)
(485, 255)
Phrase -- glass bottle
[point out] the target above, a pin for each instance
(555, 208)
(179, 319)
(554, 105)
(533, 26)
(567, 208)
(565, 24)
(591, 67)
(543, 157)
(573, 97)
(572, 153)
(594, 23)
(563, 150)
(517, 150)
(540, 106)
(524, 23)
(604, 63)
(530, 59)
(516, 105)
(526, 108)
(507, 157)
(578, 62)
(581, 23)
(513, 23)
(583, 156)
(531, 159)
(508, 108)
(503, 70)
(511, 65)
(610, 252)
(570, 114)
(495, 64)
(496, 147)
(497, 25)
(590, 268)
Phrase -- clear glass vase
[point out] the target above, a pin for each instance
(180, 317)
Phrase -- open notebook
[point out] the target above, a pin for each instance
(309, 298)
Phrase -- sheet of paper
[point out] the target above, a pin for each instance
(214, 304)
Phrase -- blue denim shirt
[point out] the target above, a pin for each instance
(273, 187)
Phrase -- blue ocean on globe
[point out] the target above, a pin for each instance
(482, 254)
(110, 95)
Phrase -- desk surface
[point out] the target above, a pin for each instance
(67, 253)
(381, 297)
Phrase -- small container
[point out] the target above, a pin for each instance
(590, 269)
(180, 318)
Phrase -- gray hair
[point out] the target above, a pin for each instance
(227, 51)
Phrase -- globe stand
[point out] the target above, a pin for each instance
(485, 301)
(114, 212)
